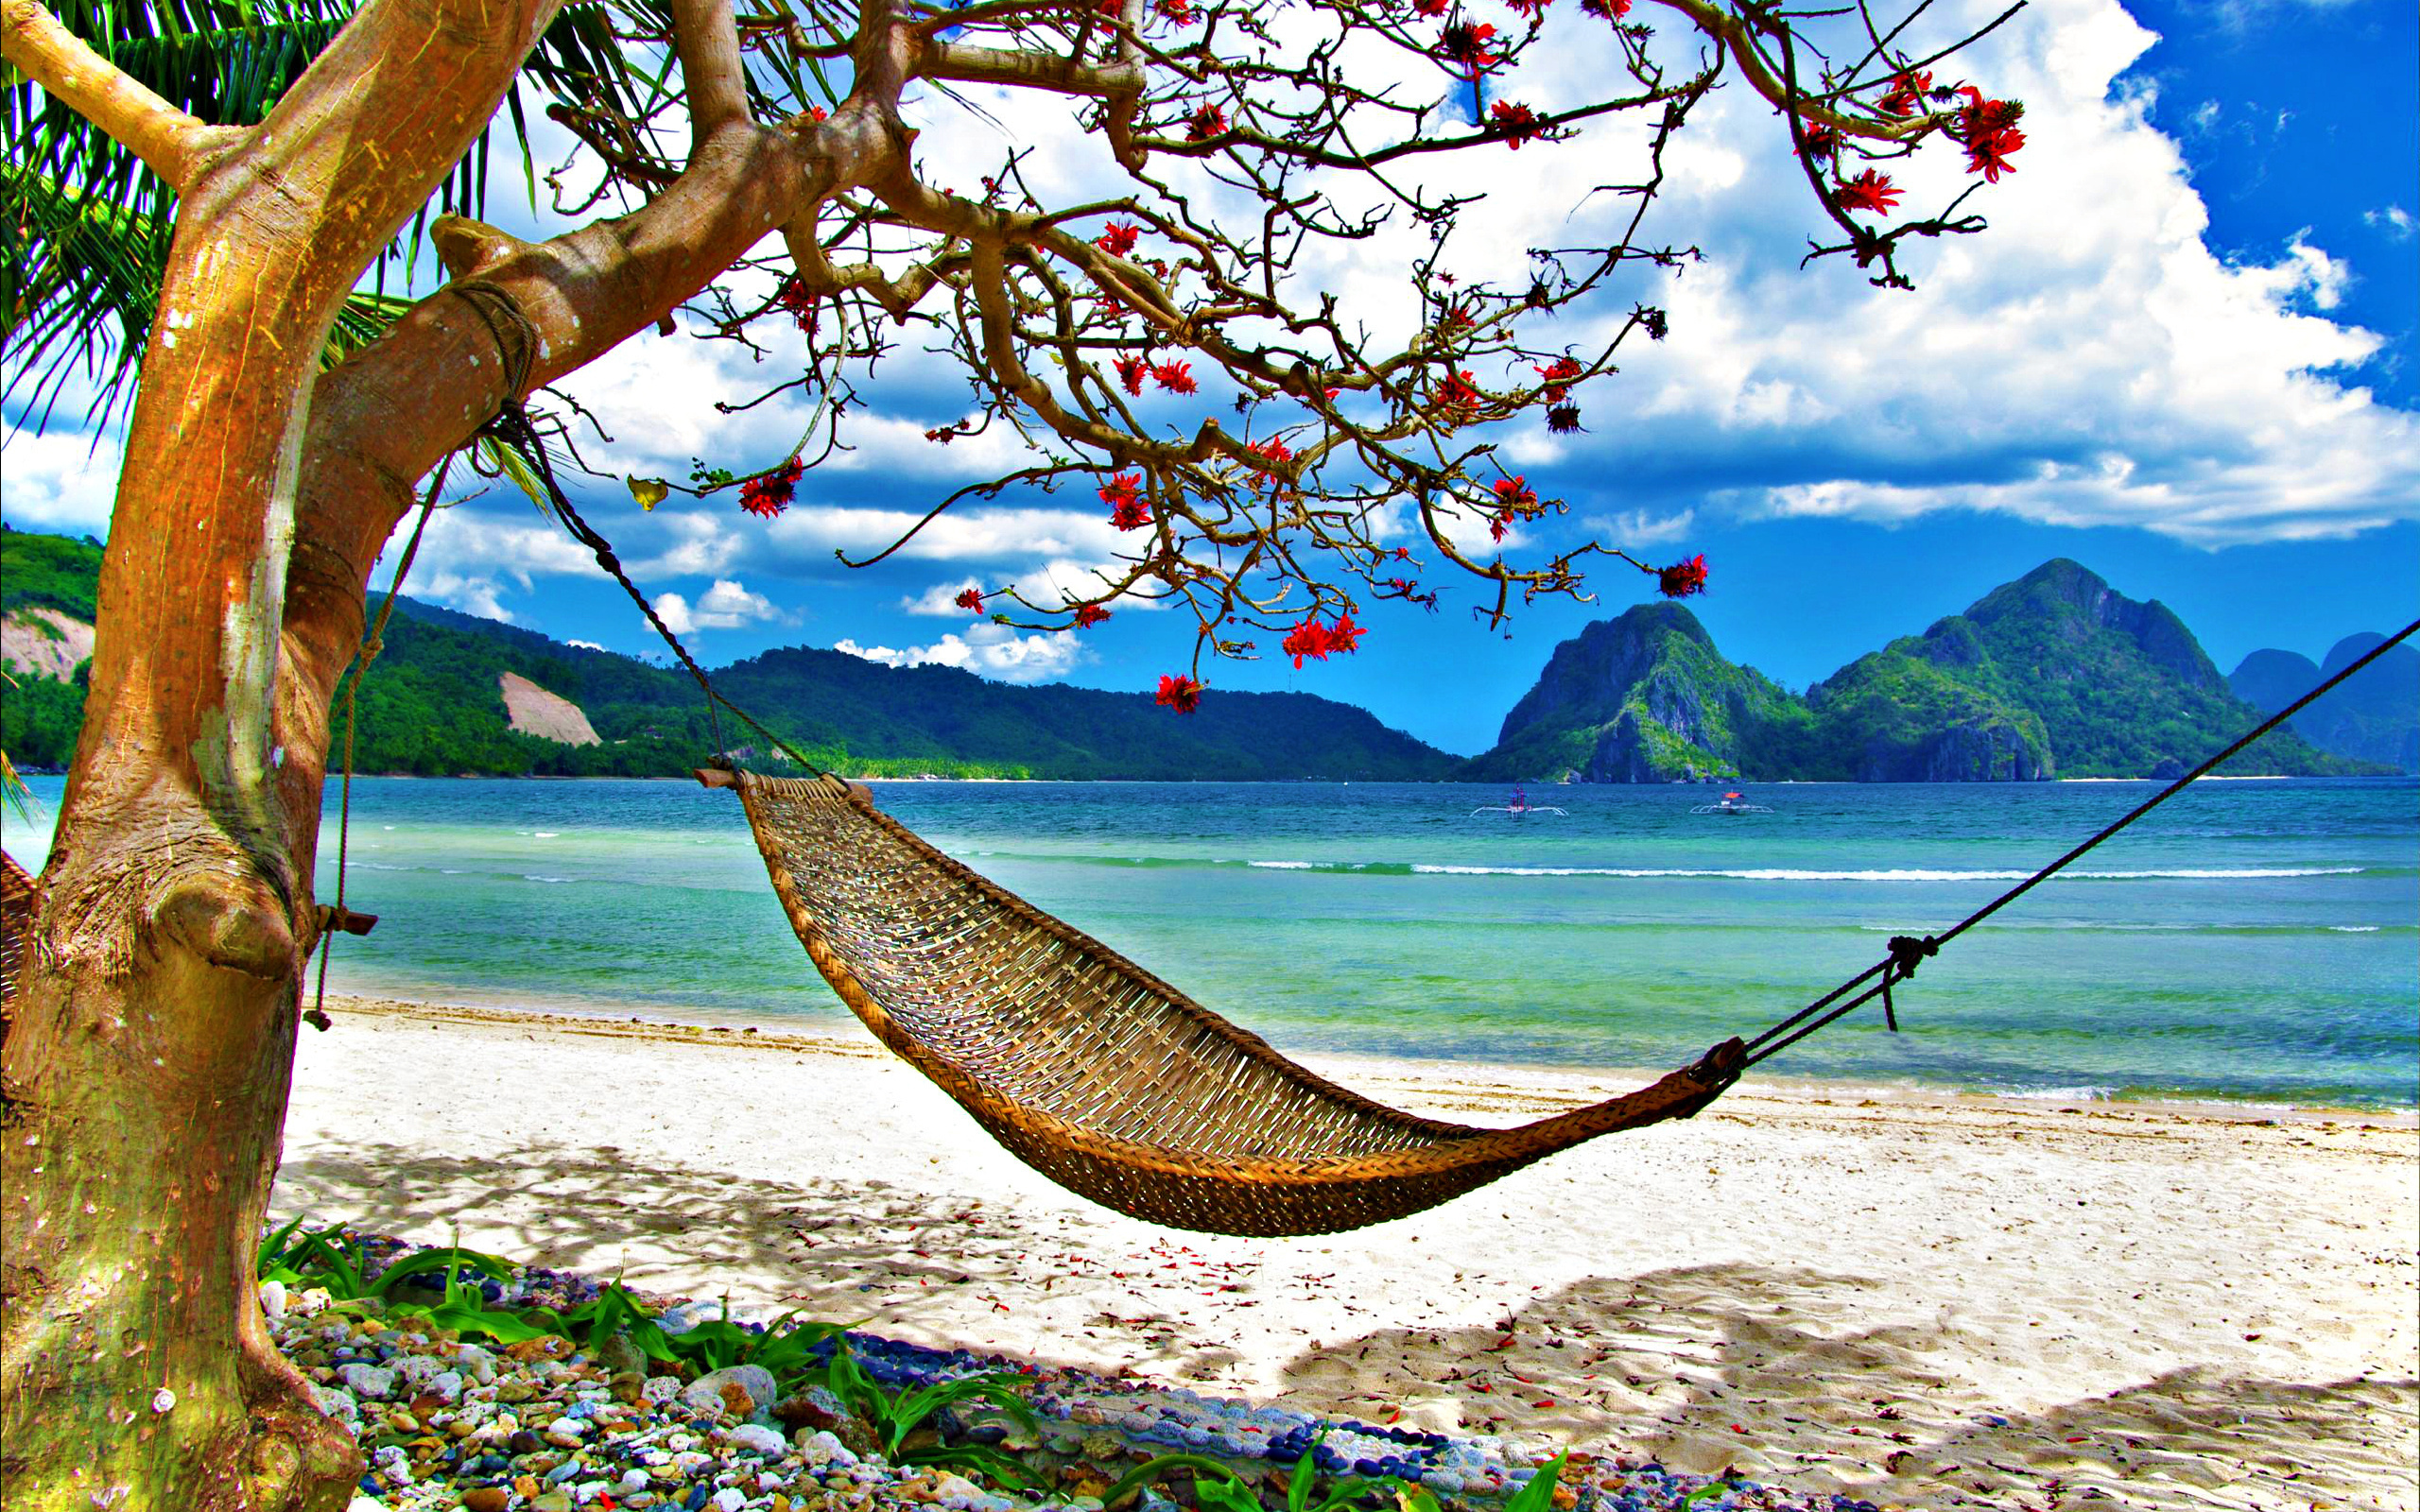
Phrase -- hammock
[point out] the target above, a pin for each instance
(1098, 1074)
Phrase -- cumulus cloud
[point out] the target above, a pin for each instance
(63, 480)
(989, 650)
(2392, 219)
(726, 606)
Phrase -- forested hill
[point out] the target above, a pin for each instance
(2056, 674)
(434, 704)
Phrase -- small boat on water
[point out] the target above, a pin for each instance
(1517, 806)
(1731, 803)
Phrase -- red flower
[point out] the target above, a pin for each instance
(1273, 448)
(1205, 123)
(1867, 191)
(1130, 371)
(1306, 638)
(1458, 397)
(1609, 10)
(1088, 615)
(1822, 142)
(1908, 90)
(1681, 579)
(1119, 239)
(1557, 376)
(1498, 525)
(769, 493)
(1515, 495)
(1124, 496)
(971, 599)
(1403, 554)
(1176, 377)
(1465, 42)
(1428, 7)
(1179, 11)
(800, 303)
(1535, 9)
(1183, 694)
(1988, 155)
(1564, 418)
(1517, 123)
(1344, 636)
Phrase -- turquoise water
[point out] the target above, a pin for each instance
(2251, 939)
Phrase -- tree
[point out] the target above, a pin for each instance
(197, 190)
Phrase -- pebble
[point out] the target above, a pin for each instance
(540, 1427)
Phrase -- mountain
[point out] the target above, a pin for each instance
(2374, 717)
(2054, 674)
(453, 694)
(1640, 698)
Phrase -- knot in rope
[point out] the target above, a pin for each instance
(1906, 953)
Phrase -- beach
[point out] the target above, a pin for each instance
(1919, 1298)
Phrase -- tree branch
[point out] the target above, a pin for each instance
(707, 41)
(172, 144)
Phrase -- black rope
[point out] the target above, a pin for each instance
(511, 427)
(1907, 950)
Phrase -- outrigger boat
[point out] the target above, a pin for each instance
(1518, 806)
(1731, 803)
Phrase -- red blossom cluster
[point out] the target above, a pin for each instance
(1119, 239)
(1823, 142)
(970, 599)
(1178, 12)
(1558, 376)
(1533, 10)
(1088, 615)
(1607, 9)
(1130, 373)
(1428, 7)
(944, 434)
(769, 493)
(1204, 124)
(1681, 579)
(1176, 377)
(1868, 191)
(1465, 44)
(1516, 124)
(1315, 641)
(1907, 91)
(1274, 448)
(1183, 694)
(1515, 500)
(1123, 493)
(1988, 128)
(1563, 418)
(1458, 398)
(799, 302)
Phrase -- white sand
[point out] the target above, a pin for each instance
(1922, 1300)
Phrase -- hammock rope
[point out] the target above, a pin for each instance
(1114, 1083)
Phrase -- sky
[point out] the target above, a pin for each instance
(2183, 354)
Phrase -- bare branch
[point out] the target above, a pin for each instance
(172, 144)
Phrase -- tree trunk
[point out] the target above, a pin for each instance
(150, 1052)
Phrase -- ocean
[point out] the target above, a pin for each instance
(2251, 940)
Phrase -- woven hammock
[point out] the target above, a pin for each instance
(1100, 1075)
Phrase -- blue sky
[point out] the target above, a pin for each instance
(2183, 355)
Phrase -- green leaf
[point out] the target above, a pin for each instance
(1538, 1495)
(1004, 1468)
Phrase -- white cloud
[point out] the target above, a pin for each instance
(2392, 219)
(585, 646)
(941, 599)
(726, 606)
(59, 480)
(1640, 527)
(990, 650)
